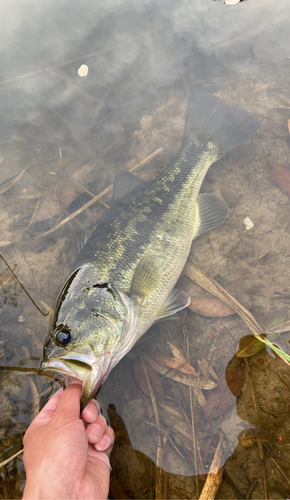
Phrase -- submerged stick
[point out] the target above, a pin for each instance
(96, 198)
(19, 369)
(215, 474)
(14, 275)
(197, 274)
(159, 483)
(11, 458)
(15, 180)
(193, 271)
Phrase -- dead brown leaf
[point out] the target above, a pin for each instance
(280, 176)
(213, 308)
(176, 352)
(235, 375)
(174, 363)
(219, 401)
(155, 380)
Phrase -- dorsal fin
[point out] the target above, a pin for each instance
(124, 183)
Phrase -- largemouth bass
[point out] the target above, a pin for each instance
(127, 265)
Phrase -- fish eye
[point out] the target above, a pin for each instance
(63, 337)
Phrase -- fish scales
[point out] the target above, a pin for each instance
(124, 276)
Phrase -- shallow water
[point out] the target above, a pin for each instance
(72, 134)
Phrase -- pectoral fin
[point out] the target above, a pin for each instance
(212, 211)
(177, 300)
(146, 277)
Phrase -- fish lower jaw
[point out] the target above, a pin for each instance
(55, 367)
(92, 376)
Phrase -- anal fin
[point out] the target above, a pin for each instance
(212, 211)
(176, 301)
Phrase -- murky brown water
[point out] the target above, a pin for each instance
(68, 136)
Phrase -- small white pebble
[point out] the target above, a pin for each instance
(21, 319)
(231, 2)
(248, 223)
(83, 70)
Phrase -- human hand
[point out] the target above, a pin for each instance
(65, 455)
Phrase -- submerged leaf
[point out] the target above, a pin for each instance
(235, 375)
(173, 363)
(176, 352)
(213, 308)
(248, 346)
(219, 401)
(280, 176)
(155, 380)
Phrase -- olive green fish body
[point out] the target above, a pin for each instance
(124, 275)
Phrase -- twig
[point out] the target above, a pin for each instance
(197, 274)
(19, 369)
(11, 458)
(191, 404)
(280, 470)
(215, 474)
(15, 277)
(15, 180)
(96, 198)
(161, 429)
(159, 484)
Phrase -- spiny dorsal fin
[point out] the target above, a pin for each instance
(212, 211)
(146, 277)
(87, 233)
(176, 300)
(124, 183)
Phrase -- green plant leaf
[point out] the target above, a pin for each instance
(274, 348)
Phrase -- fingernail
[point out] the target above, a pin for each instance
(103, 444)
(96, 431)
(95, 405)
(75, 381)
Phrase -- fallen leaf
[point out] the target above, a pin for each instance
(280, 176)
(180, 426)
(219, 401)
(174, 363)
(147, 405)
(213, 308)
(172, 374)
(248, 346)
(235, 375)
(56, 199)
(155, 380)
(176, 352)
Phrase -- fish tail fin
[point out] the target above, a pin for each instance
(210, 119)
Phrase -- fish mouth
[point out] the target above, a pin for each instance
(79, 362)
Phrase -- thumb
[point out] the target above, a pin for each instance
(69, 404)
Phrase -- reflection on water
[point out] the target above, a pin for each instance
(68, 136)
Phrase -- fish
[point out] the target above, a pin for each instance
(128, 263)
